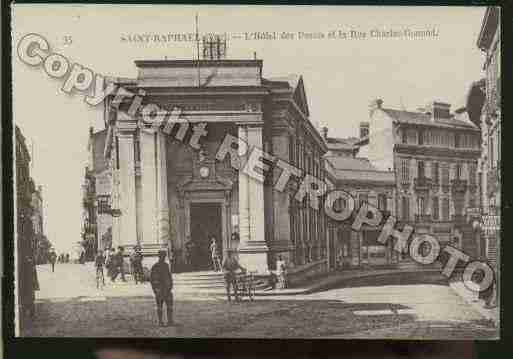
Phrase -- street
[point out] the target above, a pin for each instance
(69, 304)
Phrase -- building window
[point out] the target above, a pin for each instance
(362, 198)
(491, 152)
(421, 206)
(405, 171)
(382, 202)
(405, 209)
(420, 168)
(435, 172)
(445, 209)
(458, 171)
(458, 205)
(445, 174)
(436, 215)
(472, 169)
(471, 202)
(457, 140)
(421, 137)
(404, 137)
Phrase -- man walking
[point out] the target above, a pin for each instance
(216, 262)
(136, 260)
(52, 258)
(99, 262)
(162, 285)
(230, 266)
(119, 265)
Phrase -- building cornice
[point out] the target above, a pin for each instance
(488, 27)
(195, 63)
(416, 150)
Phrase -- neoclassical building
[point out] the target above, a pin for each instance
(172, 188)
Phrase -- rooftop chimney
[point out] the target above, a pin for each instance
(439, 110)
(325, 132)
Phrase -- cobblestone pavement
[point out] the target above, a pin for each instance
(76, 308)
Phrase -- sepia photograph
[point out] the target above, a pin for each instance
(277, 172)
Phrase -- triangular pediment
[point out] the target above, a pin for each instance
(300, 97)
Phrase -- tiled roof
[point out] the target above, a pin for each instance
(292, 80)
(358, 169)
(419, 118)
(365, 176)
(336, 143)
(350, 163)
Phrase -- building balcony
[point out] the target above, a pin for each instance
(422, 218)
(459, 218)
(422, 183)
(459, 185)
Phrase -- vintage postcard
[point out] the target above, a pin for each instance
(257, 171)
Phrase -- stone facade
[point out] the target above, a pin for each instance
(171, 191)
(97, 219)
(366, 184)
(434, 154)
(489, 42)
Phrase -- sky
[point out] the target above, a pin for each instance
(341, 76)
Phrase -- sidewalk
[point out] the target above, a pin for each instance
(315, 285)
(343, 277)
(471, 298)
(81, 282)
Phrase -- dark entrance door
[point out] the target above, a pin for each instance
(205, 223)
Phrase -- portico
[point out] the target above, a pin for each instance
(163, 175)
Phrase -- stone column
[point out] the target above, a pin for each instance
(149, 187)
(162, 200)
(127, 221)
(252, 248)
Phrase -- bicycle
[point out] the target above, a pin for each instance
(244, 286)
(99, 275)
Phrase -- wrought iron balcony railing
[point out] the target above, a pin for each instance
(459, 218)
(423, 183)
(459, 185)
(423, 218)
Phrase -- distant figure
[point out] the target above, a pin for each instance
(189, 249)
(99, 263)
(171, 255)
(281, 270)
(216, 261)
(136, 261)
(119, 264)
(110, 262)
(230, 266)
(67, 257)
(52, 258)
(162, 284)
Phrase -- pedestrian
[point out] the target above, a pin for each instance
(216, 262)
(119, 264)
(67, 257)
(162, 284)
(110, 263)
(171, 256)
(281, 270)
(99, 263)
(136, 262)
(52, 258)
(230, 267)
(189, 247)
